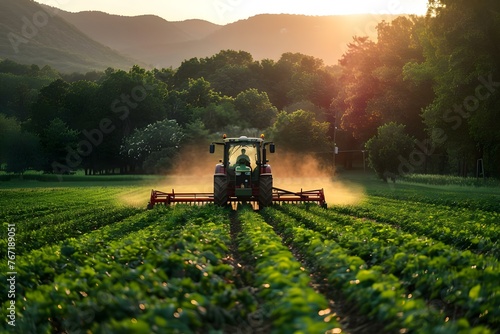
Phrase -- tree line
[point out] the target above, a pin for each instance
(421, 98)
(139, 120)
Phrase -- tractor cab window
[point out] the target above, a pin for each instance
(245, 154)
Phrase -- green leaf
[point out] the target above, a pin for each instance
(475, 291)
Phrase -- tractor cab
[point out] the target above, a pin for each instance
(240, 173)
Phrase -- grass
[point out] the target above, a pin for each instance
(451, 194)
(451, 180)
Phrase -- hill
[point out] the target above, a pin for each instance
(138, 36)
(162, 43)
(269, 36)
(31, 34)
(43, 35)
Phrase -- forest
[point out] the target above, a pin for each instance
(421, 98)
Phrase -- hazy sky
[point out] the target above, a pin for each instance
(225, 11)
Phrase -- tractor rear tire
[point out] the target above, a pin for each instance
(220, 190)
(265, 191)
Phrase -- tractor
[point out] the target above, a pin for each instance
(243, 175)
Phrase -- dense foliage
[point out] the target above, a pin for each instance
(385, 149)
(442, 69)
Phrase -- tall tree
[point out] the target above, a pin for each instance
(400, 100)
(374, 89)
(462, 43)
(59, 145)
(49, 105)
(359, 87)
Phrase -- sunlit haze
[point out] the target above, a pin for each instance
(226, 11)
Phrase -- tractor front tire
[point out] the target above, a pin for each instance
(265, 191)
(220, 190)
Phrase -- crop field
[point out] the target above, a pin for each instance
(407, 258)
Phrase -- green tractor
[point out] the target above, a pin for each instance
(243, 174)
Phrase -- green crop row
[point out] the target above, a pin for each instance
(378, 293)
(41, 266)
(294, 307)
(475, 230)
(465, 281)
(45, 216)
(169, 276)
(21, 204)
(60, 226)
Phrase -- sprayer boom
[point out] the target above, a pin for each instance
(160, 197)
(279, 196)
(302, 196)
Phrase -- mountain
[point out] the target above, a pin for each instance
(33, 34)
(270, 35)
(163, 44)
(138, 36)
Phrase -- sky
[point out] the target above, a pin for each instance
(227, 11)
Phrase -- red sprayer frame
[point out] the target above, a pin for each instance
(279, 196)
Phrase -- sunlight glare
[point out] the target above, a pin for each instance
(341, 7)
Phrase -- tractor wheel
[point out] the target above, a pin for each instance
(265, 191)
(220, 190)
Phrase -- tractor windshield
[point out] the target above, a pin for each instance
(243, 153)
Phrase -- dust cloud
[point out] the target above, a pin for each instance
(297, 172)
(138, 197)
(193, 172)
(194, 169)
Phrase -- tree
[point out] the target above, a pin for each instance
(232, 79)
(124, 101)
(9, 128)
(400, 100)
(59, 146)
(255, 109)
(359, 87)
(23, 153)
(217, 116)
(388, 148)
(226, 71)
(374, 89)
(301, 132)
(195, 132)
(200, 93)
(49, 105)
(160, 161)
(461, 56)
(82, 112)
(19, 150)
(163, 136)
(182, 105)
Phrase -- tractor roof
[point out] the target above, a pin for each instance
(243, 139)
